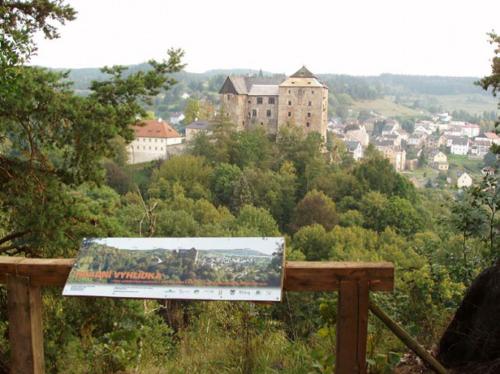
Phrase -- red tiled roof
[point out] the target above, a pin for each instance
(491, 135)
(154, 129)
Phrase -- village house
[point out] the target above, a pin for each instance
(152, 139)
(421, 130)
(459, 146)
(439, 161)
(494, 138)
(480, 147)
(355, 149)
(390, 127)
(197, 127)
(176, 118)
(416, 140)
(272, 102)
(443, 117)
(357, 133)
(464, 180)
(395, 155)
(395, 138)
(470, 130)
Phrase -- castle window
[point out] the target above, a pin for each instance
(248, 114)
(312, 92)
(249, 101)
(229, 97)
(262, 123)
(289, 102)
(156, 148)
(271, 100)
(289, 91)
(269, 113)
(309, 115)
(259, 100)
(254, 112)
(289, 114)
(310, 103)
(308, 124)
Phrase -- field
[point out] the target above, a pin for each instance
(472, 103)
(386, 107)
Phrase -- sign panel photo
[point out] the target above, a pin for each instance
(179, 268)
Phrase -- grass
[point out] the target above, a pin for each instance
(472, 103)
(473, 166)
(385, 107)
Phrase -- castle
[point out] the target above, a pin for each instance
(273, 102)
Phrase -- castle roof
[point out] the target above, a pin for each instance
(264, 90)
(303, 72)
(154, 129)
(264, 86)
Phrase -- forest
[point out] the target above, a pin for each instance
(63, 177)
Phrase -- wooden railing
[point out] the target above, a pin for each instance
(24, 278)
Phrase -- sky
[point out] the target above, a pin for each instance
(425, 37)
(265, 245)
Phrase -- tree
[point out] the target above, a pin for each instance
(492, 160)
(315, 207)
(469, 220)
(20, 21)
(373, 206)
(493, 81)
(192, 173)
(486, 196)
(223, 181)
(53, 140)
(191, 111)
(376, 173)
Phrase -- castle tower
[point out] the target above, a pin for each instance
(303, 102)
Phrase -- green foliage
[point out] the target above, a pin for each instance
(493, 81)
(315, 207)
(190, 172)
(377, 174)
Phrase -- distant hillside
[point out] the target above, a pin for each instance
(388, 84)
(385, 94)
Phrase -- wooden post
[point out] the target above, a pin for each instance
(352, 327)
(25, 326)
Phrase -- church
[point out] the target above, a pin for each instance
(273, 102)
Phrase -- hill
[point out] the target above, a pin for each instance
(386, 94)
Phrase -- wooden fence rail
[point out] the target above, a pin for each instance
(24, 278)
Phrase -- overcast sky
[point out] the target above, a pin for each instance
(430, 37)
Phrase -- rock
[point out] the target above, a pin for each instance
(471, 343)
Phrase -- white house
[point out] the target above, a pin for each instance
(471, 130)
(464, 180)
(459, 146)
(354, 147)
(152, 140)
